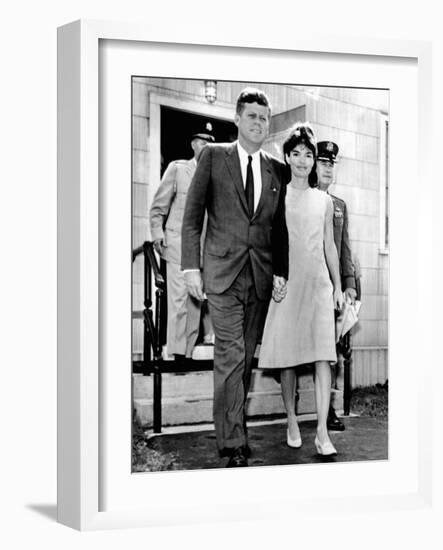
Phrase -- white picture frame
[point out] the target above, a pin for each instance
(80, 364)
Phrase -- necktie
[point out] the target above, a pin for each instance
(249, 188)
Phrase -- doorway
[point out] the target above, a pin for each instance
(177, 128)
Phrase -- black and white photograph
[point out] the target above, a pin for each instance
(260, 274)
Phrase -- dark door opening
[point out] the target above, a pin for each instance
(177, 128)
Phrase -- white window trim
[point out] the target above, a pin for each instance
(382, 156)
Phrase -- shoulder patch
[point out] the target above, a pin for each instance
(338, 213)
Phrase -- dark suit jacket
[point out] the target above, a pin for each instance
(232, 237)
(341, 239)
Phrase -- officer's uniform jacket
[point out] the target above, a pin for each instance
(166, 216)
(341, 239)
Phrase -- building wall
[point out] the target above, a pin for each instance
(351, 118)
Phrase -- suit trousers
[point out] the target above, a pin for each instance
(238, 317)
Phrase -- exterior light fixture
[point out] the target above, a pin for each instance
(211, 90)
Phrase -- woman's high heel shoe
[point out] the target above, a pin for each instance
(294, 443)
(325, 449)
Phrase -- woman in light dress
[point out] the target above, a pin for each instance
(300, 325)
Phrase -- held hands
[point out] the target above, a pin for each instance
(338, 299)
(194, 284)
(279, 288)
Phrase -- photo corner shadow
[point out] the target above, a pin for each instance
(48, 511)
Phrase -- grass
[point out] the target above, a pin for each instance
(145, 459)
(370, 401)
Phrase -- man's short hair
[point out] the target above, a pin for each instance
(252, 95)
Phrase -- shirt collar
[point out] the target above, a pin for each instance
(243, 154)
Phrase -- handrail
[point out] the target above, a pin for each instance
(151, 333)
(147, 248)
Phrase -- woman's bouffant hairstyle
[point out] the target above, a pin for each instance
(302, 132)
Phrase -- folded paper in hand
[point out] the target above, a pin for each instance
(347, 319)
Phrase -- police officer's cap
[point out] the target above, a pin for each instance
(327, 150)
(205, 133)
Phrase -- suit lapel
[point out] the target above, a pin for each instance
(233, 162)
(266, 182)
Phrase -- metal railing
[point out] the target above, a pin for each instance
(152, 349)
(344, 347)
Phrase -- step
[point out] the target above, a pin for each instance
(193, 408)
(206, 353)
(200, 352)
(201, 383)
(194, 384)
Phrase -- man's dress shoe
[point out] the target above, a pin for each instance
(334, 423)
(226, 451)
(238, 458)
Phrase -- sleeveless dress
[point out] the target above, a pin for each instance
(301, 328)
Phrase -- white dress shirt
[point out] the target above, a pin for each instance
(256, 170)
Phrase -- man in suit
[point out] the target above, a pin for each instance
(166, 218)
(327, 152)
(245, 257)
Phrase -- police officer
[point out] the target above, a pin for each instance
(166, 217)
(327, 152)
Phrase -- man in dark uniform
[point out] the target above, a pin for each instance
(326, 165)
